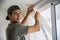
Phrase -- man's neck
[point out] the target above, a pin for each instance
(13, 22)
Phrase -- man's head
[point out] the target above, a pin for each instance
(14, 13)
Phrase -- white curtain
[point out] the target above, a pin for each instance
(45, 32)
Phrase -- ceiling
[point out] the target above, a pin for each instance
(24, 4)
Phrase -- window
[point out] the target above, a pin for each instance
(57, 7)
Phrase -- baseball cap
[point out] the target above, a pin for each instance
(11, 9)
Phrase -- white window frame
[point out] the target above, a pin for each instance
(53, 19)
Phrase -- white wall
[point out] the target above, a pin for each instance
(3, 25)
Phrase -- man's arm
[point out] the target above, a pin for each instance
(24, 21)
(36, 26)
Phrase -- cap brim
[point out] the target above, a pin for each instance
(7, 18)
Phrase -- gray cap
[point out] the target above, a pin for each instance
(11, 9)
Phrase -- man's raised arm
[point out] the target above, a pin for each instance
(24, 21)
(36, 26)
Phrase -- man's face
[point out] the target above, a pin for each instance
(16, 16)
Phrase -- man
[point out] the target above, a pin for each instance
(17, 29)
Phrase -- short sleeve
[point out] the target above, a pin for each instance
(21, 29)
(16, 32)
(25, 29)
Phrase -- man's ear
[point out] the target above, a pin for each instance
(9, 16)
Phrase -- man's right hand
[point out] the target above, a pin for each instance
(30, 9)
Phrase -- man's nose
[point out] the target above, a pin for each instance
(19, 14)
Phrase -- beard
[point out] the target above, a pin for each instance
(16, 21)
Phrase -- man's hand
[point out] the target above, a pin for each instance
(30, 9)
(37, 16)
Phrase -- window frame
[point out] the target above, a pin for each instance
(53, 19)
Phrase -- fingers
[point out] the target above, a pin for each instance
(37, 14)
(32, 6)
(30, 9)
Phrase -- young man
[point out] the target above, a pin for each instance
(17, 29)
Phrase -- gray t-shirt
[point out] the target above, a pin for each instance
(16, 31)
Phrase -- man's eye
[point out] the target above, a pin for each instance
(15, 13)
